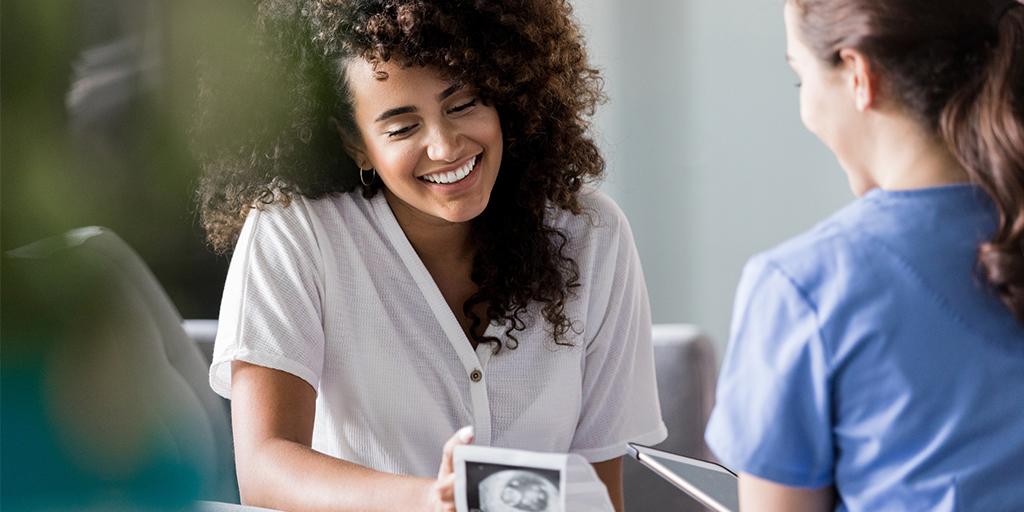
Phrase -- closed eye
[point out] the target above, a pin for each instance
(465, 106)
(401, 131)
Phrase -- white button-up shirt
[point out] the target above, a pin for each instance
(331, 291)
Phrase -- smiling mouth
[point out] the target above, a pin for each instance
(452, 177)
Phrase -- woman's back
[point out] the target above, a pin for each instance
(896, 373)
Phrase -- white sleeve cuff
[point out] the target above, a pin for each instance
(220, 370)
(611, 451)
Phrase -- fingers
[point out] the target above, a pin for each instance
(442, 494)
(463, 436)
(444, 490)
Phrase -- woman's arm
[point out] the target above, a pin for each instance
(610, 472)
(272, 419)
(767, 496)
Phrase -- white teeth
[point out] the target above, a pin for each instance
(452, 176)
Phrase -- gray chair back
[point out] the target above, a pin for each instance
(686, 368)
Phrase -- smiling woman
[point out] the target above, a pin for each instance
(437, 154)
(473, 281)
(263, 131)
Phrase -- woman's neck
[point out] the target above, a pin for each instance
(906, 158)
(436, 241)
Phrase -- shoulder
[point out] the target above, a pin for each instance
(302, 224)
(597, 203)
(822, 255)
(600, 220)
(598, 238)
(297, 212)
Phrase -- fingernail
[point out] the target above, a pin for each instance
(466, 434)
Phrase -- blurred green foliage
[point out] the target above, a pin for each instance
(97, 100)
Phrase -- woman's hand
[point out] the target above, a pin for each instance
(441, 496)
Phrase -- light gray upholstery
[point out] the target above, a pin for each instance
(685, 365)
(203, 333)
(128, 365)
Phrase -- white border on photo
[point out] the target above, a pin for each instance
(505, 457)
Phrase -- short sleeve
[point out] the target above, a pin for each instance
(620, 393)
(271, 311)
(772, 414)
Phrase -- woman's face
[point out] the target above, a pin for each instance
(827, 104)
(434, 144)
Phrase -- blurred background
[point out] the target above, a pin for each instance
(706, 155)
(97, 98)
(706, 152)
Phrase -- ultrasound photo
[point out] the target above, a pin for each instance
(499, 488)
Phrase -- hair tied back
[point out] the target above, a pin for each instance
(1004, 8)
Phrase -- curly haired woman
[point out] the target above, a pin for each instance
(415, 250)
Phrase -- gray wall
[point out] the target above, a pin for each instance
(706, 152)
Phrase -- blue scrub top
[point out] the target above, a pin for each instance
(870, 355)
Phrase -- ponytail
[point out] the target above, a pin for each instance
(983, 125)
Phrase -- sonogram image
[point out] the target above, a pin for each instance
(498, 488)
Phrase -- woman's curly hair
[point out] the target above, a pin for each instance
(268, 134)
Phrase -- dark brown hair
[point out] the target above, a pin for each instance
(959, 67)
(271, 137)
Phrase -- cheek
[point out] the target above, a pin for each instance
(393, 160)
(811, 109)
(806, 114)
(487, 129)
(820, 113)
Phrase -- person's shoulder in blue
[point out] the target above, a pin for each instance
(876, 362)
(867, 355)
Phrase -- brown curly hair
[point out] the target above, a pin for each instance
(526, 58)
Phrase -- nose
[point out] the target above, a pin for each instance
(445, 144)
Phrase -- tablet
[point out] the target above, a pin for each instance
(711, 484)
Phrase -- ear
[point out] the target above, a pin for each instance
(353, 145)
(861, 80)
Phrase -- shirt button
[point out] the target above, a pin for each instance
(476, 375)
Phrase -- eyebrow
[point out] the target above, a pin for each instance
(449, 91)
(392, 112)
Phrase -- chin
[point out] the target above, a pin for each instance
(460, 215)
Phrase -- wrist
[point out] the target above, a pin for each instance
(421, 494)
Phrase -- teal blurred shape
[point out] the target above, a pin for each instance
(104, 397)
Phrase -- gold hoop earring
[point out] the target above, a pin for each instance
(362, 176)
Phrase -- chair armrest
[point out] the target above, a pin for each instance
(203, 333)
